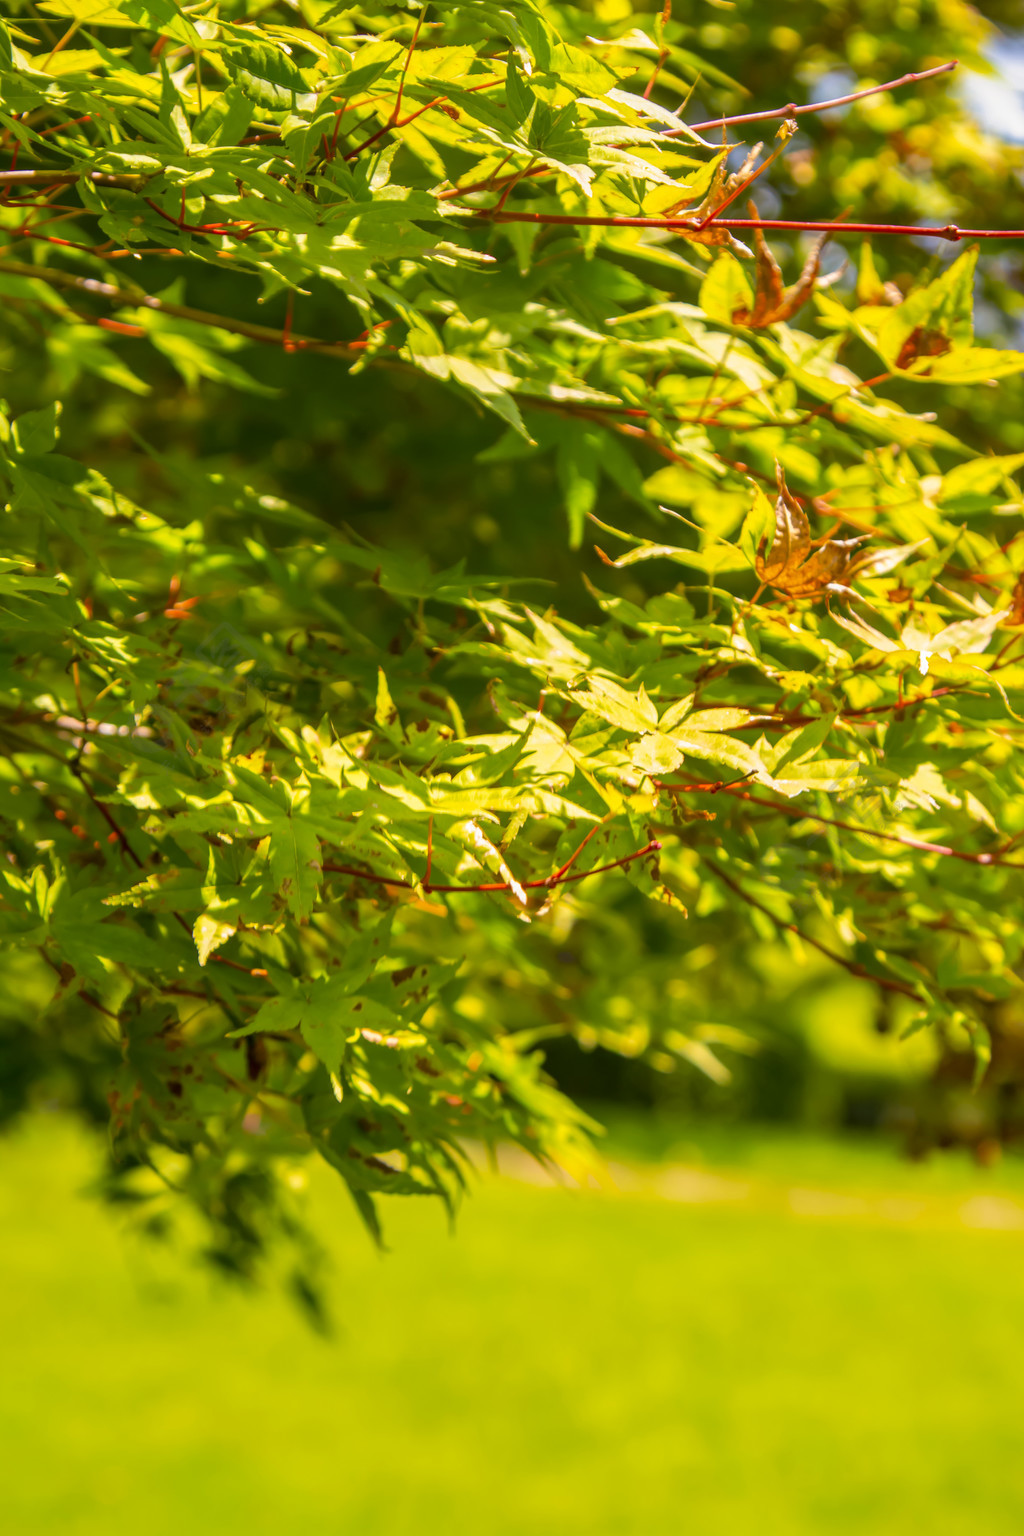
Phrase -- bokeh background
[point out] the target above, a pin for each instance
(796, 1305)
(762, 1331)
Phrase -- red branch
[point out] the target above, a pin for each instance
(951, 232)
(494, 183)
(561, 877)
(394, 121)
(365, 874)
(815, 106)
(234, 231)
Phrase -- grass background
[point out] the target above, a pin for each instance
(814, 1339)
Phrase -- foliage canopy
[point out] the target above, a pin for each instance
(316, 842)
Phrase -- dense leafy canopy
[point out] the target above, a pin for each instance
(310, 842)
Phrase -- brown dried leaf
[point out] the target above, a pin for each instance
(792, 541)
(772, 300)
(796, 565)
(722, 184)
(770, 290)
(713, 235)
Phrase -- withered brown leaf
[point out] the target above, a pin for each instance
(772, 300)
(796, 564)
(723, 184)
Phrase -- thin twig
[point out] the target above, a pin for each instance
(116, 830)
(87, 997)
(546, 884)
(365, 874)
(748, 181)
(491, 184)
(270, 336)
(62, 42)
(561, 877)
(849, 965)
(56, 177)
(405, 66)
(394, 121)
(792, 110)
(133, 298)
(951, 232)
(920, 845)
(554, 879)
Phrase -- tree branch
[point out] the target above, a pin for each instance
(134, 298)
(951, 232)
(920, 845)
(561, 877)
(830, 954)
(55, 177)
(116, 830)
(394, 121)
(814, 106)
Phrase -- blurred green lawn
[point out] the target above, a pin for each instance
(571, 1364)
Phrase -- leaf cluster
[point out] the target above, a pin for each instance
(316, 843)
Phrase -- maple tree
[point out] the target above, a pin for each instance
(310, 843)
